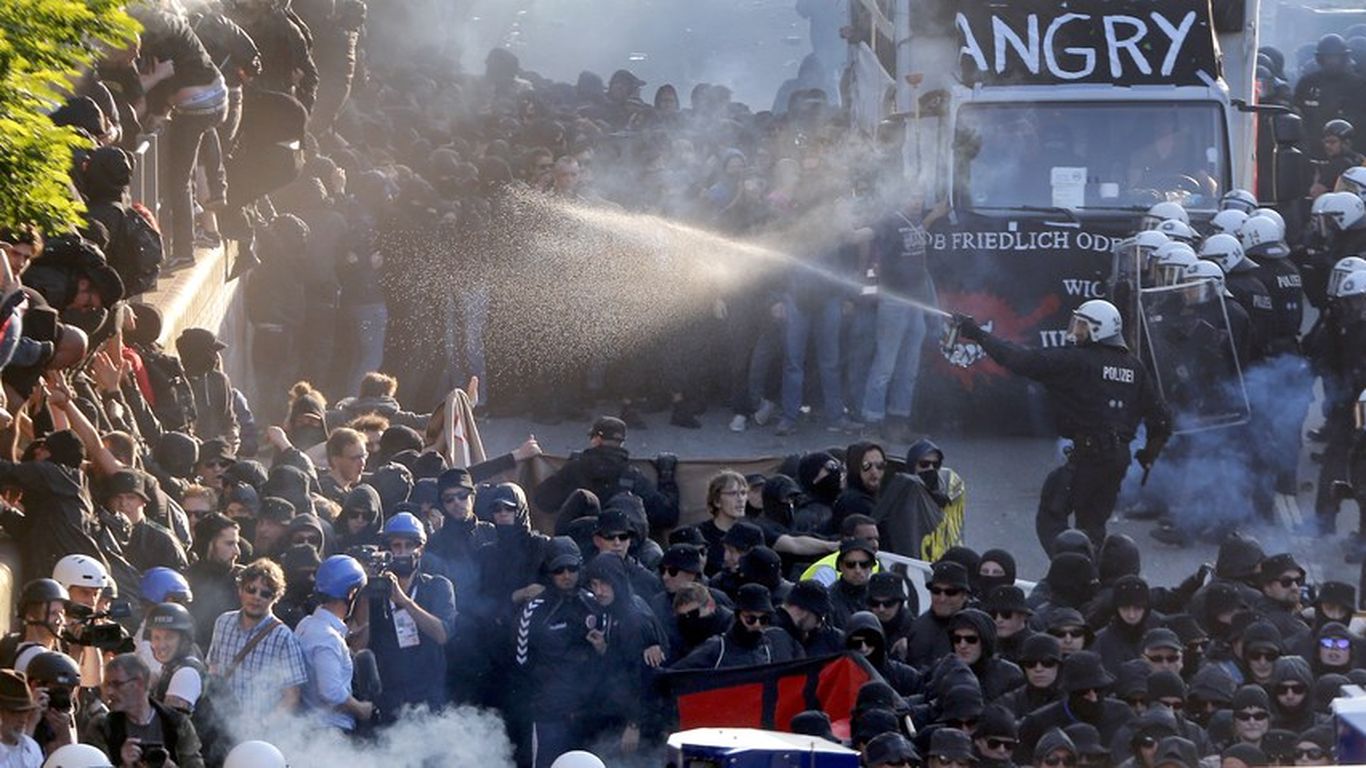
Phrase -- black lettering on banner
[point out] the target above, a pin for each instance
(1124, 42)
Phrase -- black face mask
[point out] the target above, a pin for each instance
(930, 477)
(694, 629)
(1085, 708)
(828, 488)
(404, 566)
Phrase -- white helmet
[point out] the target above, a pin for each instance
(1341, 270)
(1161, 212)
(1318, 221)
(1238, 200)
(1179, 230)
(1261, 236)
(1228, 221)
(81, 571)
(573, 759)
(78, 756)
(1224, 250)
(255, 754)
(1103, 320)
(1204, 272)
(1352, 180)
(1274, 215)
(1352, 285)
(1170, 262)
(1343, 210)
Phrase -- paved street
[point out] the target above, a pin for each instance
(1003, 476)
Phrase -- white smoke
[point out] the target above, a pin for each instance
(462, 737)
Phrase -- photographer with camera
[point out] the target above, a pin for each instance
(340, 581)
(407, 620)
(53, 679)
(139, 732)
(42, 613)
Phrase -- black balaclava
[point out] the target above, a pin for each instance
(987, 583)
(828, 489)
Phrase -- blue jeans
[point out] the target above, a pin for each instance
(367, 323)
(860, 343)
(824, 322)
(896, 362)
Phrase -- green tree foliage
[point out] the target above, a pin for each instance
(44, 45)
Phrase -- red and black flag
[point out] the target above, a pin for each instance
(768, 696)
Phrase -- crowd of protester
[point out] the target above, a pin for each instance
(197, 566)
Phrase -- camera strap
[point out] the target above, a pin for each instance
(267, 626)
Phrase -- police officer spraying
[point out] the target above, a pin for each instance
(1100, 393)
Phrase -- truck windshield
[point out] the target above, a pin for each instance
(1090, 155)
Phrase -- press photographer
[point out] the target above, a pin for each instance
(407, 621)
(139, 732)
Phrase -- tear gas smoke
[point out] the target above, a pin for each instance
(463, 737)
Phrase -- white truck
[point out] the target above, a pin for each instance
(1049, 128)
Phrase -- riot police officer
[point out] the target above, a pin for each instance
(1248, 290)
(1332, 91)
(1101, 393)
(1337, 347)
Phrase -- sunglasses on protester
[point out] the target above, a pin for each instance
(1248, 716)
(966, 639)
(1040, 664)
(946, 591)
(1263, 655)
(447, 498)
(994, 743)
(884, 603)
(565, 569)
(1163, 658)
(615, 536)
(1053, 761)
(1064, 633)
(928, 464)
(1292, 688)
(862, 565)
(878, 465)
(1312, 753)
(261, 592)
(1335, 643)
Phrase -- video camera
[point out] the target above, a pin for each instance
(376, 561)
(100, 630)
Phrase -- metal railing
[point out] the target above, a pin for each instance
(146, 186)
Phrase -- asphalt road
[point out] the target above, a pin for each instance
(1003, 476)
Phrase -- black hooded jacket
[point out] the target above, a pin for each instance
(857, 499)
(995, 675)
(815, 514)
(629, 627)
(511, 560)
(606, 471)
(902, 677)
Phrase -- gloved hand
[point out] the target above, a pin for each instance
(968, 327)
(1145, 457)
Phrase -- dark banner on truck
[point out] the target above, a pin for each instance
(1020, 278)
(1116, 42)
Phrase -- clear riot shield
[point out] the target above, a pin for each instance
(1193, 357)
(1127, 273)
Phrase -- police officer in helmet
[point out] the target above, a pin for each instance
(1101, 393)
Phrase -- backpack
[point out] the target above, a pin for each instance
(174, 407)
(139, 253)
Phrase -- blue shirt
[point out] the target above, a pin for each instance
(323, 639)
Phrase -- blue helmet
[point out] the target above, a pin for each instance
(338, 575)
(405, 524)
(162, 585)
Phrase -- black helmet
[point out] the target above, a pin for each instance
(1339, 128)
(171, 616)
(54, 668)
(41, 591)
(1331, 44)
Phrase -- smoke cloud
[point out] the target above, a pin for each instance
(463, 737)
